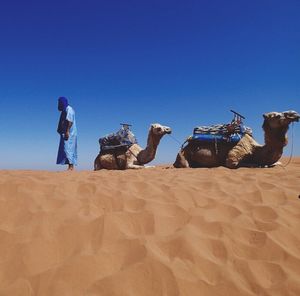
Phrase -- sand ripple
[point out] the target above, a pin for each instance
(155, 232)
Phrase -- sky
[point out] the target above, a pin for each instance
(178, 63)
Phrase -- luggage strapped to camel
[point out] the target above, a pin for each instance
(119, 142)
(122, 139)
(229, 133)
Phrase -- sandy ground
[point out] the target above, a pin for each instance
(151, 232)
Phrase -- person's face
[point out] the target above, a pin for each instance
(60, 106)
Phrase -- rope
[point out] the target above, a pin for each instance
(292, 148)
(216, 147)
(174, 139)
(132, 153)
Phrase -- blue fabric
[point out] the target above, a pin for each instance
(62, 124)
(234, 138)
(230, 133)
(62, 104)
(67, 151)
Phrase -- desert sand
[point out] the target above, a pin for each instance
(158, 231)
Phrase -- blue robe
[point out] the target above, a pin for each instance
(67, 151)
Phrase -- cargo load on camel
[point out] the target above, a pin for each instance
(123, 138)
(230, 133)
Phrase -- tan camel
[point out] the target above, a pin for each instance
(134, 157)
(247, 152)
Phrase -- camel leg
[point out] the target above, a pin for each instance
(181, 161)
(97, 164)
(239, 152)
(134, 166)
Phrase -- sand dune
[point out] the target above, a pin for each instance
(155, 232)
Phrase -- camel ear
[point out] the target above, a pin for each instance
(268, 115)
(152, 127)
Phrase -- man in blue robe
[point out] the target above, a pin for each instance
(67, 151)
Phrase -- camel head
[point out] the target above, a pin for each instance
(159, 130)
(280, 119)
(156, 132)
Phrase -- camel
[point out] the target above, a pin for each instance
(133, 157)
(246, 152)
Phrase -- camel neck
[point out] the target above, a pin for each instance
(148, 154)
(275, 140)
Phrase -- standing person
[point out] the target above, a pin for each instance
(67, 151)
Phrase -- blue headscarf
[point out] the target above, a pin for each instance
(62, 103)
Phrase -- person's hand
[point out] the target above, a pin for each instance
(67, 135)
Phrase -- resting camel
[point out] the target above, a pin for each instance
(133, 157)
(247, 152)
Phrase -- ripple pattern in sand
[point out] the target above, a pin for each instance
(152, 232)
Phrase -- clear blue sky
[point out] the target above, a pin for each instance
(179, 63)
